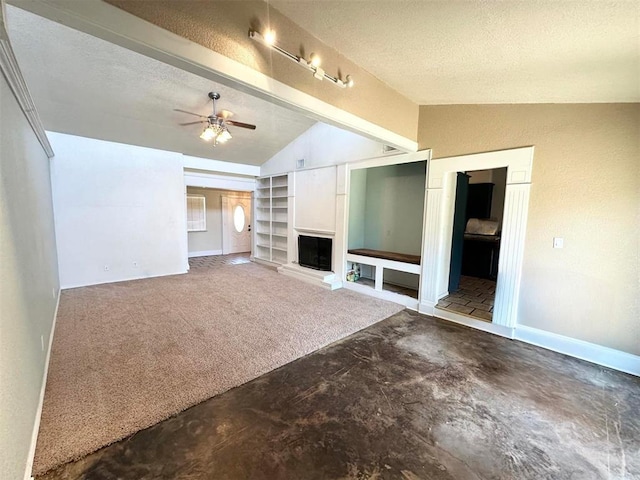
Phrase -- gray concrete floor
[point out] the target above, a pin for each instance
(409, 398)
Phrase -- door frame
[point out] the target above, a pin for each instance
(203, 179)
(438, 224)
(225, 197)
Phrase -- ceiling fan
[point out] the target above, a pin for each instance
(216, 124)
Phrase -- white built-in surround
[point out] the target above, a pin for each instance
(438, 224)
(438, 220)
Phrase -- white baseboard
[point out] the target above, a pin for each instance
(489, 327)
(321, 278)
(36, 423)
(605, 356)
(121, 279)
(204, 253)
(408, 302)
(426, 307)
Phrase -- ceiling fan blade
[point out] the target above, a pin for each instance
(240, 124)
(190, 113)
(192, 123)
(225, 114)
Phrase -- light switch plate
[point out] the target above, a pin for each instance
(558, 242)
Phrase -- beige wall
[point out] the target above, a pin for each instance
(223, 27)
(212, 238)
(28, 281)
(586, 189)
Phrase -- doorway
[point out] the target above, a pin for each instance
(475, 243)
(439, 218)
(236, 224)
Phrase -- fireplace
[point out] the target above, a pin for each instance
(314, 252)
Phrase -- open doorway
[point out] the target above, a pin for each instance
(475, 242)
(218, 227)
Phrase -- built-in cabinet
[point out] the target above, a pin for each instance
(271, 219)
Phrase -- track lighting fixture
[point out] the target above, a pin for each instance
(313, 64)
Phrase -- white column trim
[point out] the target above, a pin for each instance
(516, 206)
(11, 70)
(431, 247)
(439, 212)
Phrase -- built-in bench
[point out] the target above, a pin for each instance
(394, 256)
(381, 260)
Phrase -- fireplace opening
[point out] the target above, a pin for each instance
(314, 252)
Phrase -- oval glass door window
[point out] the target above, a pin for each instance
(238, 218)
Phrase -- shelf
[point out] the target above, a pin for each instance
(271, 212)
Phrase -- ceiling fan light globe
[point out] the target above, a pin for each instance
(207, 134)
(224, 136)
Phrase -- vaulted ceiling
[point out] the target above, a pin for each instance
(457, 52)
(86, 86)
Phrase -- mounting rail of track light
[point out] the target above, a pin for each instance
(313, 64)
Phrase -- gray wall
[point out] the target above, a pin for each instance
(28, 281)
(394, 208)
(212, 238)
(357, 204)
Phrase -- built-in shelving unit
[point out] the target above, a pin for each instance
(272, 216)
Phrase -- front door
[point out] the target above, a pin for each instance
(236, 224)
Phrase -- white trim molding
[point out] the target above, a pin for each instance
(36, 423)
(221, 182)
(489, 327)
(590, 352)
(11, 70)
(439, 211)
(204, 253)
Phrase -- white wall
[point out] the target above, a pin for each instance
(119, 211)
(315, 199)
(28, 282)
(322, 145)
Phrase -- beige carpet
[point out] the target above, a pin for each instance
(127, 355)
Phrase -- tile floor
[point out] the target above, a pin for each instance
(217, 260)
(474, 298)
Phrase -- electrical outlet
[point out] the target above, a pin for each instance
(106, 268)
(558, 242)
(135, 264)
(42, 342)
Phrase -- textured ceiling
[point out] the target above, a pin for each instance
(456, 52)
(85, 86)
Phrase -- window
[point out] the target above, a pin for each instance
(196, 214)
(238, 218)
